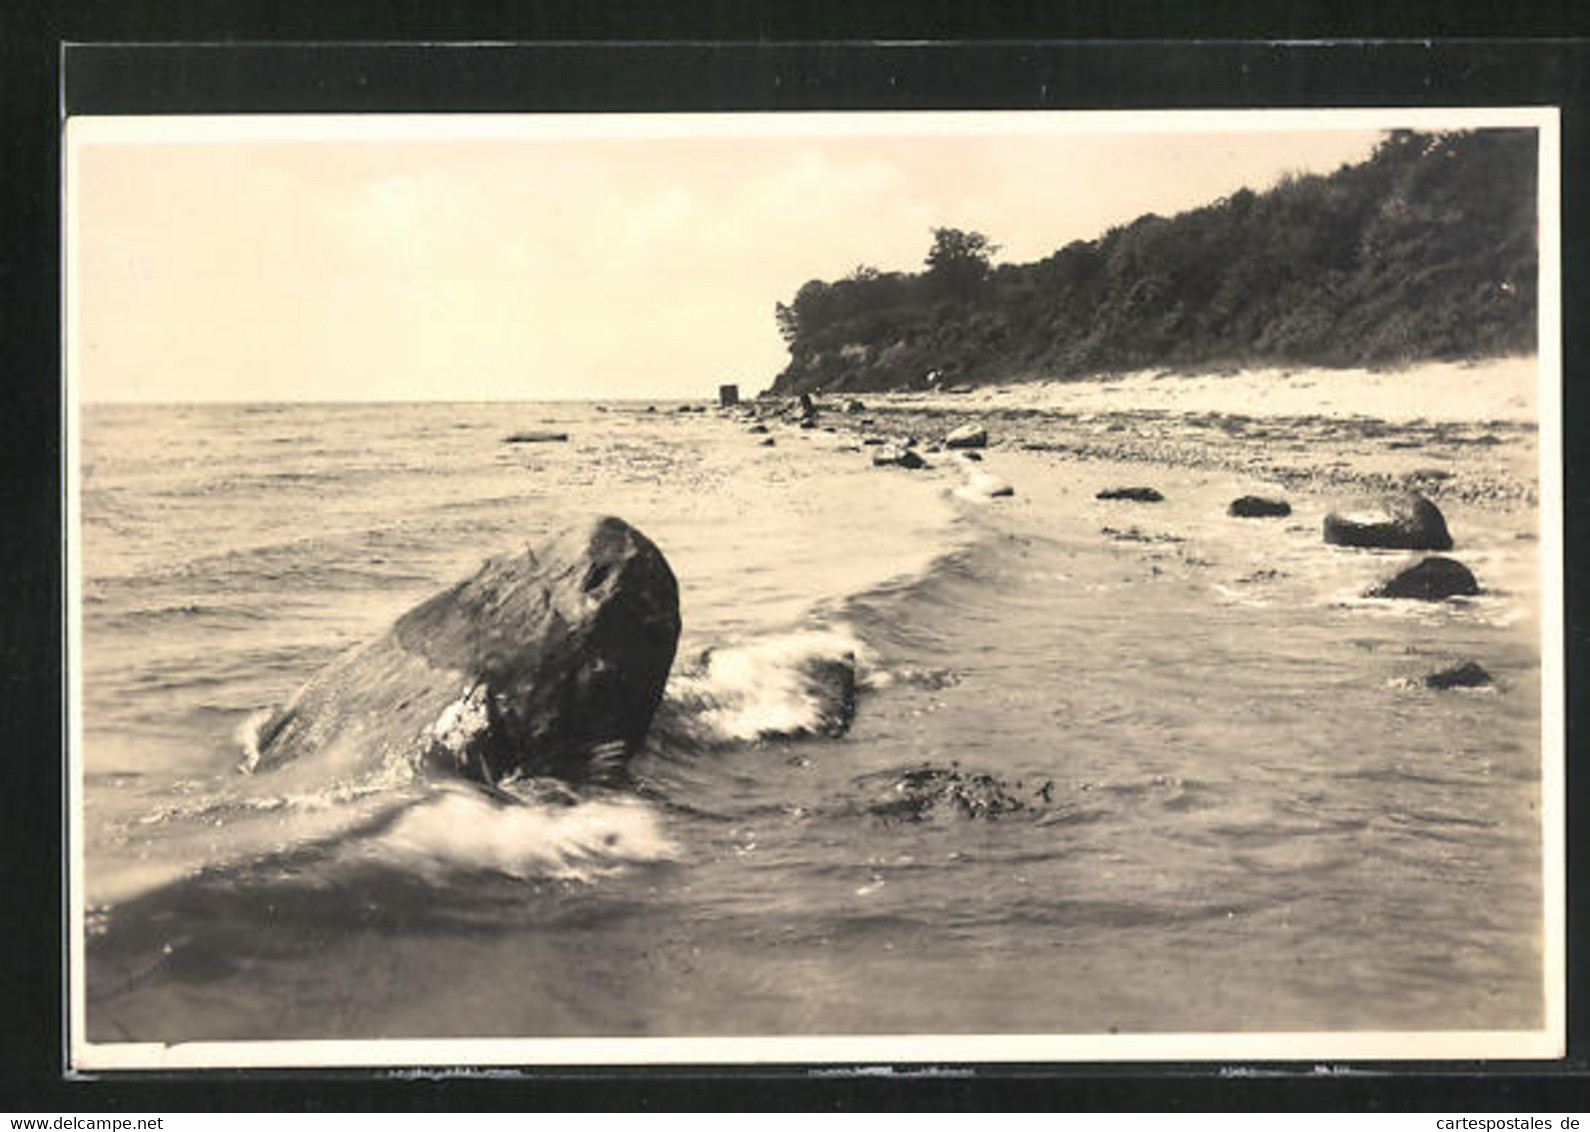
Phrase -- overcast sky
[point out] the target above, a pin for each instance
(255, 265)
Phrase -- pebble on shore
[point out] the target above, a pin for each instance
(967, 436)
(1132, 494)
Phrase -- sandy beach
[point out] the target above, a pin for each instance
(1455, 432)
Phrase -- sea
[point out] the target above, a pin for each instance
(1241, 809)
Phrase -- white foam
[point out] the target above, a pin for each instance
(980, 487)
(763, 688)
(247, 738)
(1231, 596)
(462, 829)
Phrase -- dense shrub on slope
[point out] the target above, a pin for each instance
(1427, 250)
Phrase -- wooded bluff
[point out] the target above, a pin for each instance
(1427, 250)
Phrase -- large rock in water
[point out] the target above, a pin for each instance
(1431, 580)
(547, 662)
(1397, 522)
(1465, 675)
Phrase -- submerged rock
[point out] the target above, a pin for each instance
(1431, 580)
(1465, 675)
(967, 436)
(1134, 494)
(831, 683)
(1257, 507)
(1397, 522)
(547, 662)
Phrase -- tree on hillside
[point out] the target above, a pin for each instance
(1428, 249)
(958, 261)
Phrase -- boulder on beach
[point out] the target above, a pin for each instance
(757, 428)
(892, 457)
(1407, 521)
(1465, 675)
(1132, 494)
(873, 441)
(550, 661)
(535, 438)
(1257, 507)
(1431, 580)
(967, 436)
(769, 442)
(971, 456)
(854, 406)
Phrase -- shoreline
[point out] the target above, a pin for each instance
(1465, 433)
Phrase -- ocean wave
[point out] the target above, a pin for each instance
(902, 617)
(154, 616)
(462, 830)
(785, 684)
(353, 833)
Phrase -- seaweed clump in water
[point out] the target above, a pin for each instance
(927, 792)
